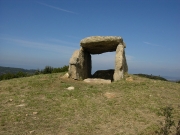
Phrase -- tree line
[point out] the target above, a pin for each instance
(46, 70)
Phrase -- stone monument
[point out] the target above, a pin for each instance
(80, 62)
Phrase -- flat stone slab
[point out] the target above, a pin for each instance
(101, 44)
(96, 80)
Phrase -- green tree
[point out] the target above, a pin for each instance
(48, 70)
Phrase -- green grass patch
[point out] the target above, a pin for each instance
(42, 104)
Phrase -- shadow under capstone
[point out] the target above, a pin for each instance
(104, 74)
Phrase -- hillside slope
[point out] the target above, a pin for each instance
(42, 104)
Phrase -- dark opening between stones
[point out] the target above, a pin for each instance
(104, 74)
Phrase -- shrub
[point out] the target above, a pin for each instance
(168, 123)
(48, 70)
(20, 74)
(37, 72)
(62, 69)
(178, 128)
(7, 76)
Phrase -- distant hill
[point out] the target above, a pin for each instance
(152, 77)
(173, 79)
(4, 70)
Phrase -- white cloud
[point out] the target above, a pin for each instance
(62, 47)
(63, 42)
(150, 44)
(33, 55)
(57, 8)
(129, 57)
(74, 37)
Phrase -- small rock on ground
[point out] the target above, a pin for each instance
(70, 88)
(65, 76)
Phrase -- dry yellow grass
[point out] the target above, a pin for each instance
(42, 105)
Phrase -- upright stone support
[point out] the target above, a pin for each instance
(80, 65)
(73, 65)
(119, 63)
(85, 64)
(125, 63)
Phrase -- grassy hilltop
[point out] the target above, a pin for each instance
(42, 105)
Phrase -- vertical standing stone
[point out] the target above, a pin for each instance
(73, 65)
(119, 63)
(80, 65)
(125, 63)
(85, 63)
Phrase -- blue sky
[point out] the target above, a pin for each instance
(36, 33)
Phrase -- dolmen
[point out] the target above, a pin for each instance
(80, 63)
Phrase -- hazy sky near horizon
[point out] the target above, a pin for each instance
(36, 33)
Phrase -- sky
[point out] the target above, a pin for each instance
(39, 33)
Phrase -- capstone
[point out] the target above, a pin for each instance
(101, 44)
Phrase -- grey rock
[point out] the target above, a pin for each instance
(98, 81)
(74, 58)
(73, 65)
(65, 75)
(101, 44)
(80, 65)
(119, 63)
(70, 88)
